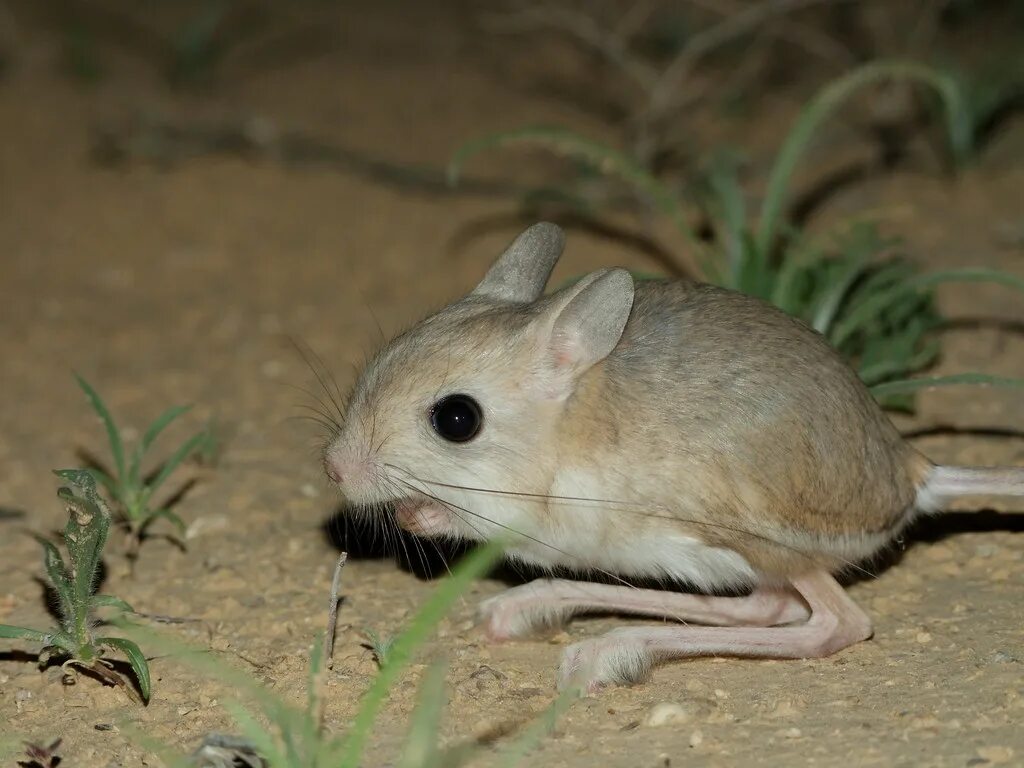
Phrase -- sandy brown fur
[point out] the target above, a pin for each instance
(759, 426)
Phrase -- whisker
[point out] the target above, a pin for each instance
(636, 508)
(324, 409)
(327, 417)
(451, 507)
(319, 375)
(373, 315)
(398, 491)
(320, 422)
(326, 369)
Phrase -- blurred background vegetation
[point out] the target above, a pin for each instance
(924, 83)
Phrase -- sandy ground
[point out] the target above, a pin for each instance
(185, 286)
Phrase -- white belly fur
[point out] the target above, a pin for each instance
(603, 537)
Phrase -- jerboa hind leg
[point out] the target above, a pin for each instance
(812, 619)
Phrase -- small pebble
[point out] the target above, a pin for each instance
(996, 755)
(924, 637)
(665, 713)
(696, 739)
(205, 524)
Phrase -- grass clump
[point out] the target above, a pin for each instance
(872, 304)
(379, 645)
(297, 736)
(130, 490)
(74, 641)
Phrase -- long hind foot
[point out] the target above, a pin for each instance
(627, 655)
(550, 602)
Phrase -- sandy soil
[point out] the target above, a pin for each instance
(185, 285)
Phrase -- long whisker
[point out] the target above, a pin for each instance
(416, 544)
(303, 390)
(330, 429)
(324, 409)
(322, 415)
(334, 400)
(330, 374)
(636, 508)
(451, 507)
(398, 491)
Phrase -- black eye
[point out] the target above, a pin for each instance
(457, 418)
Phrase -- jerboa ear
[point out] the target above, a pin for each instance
(521, 272)
(586, 320)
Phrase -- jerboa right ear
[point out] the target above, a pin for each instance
(521, 272)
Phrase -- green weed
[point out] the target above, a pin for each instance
(379, 645)
(873, 305)
(130, 490)
(216, 436)
(989, 92)
(197, 47)
(74, 641)
(297, 736)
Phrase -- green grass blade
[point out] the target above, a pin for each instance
(422, 625)
(80, 478)
(797, 274)
(11, 748)
(316, 672)
(167, 755)
(421, 745)
(826, 102)
(171, 517)
(61, 639)
(23, 633)
(183, 452)
(831, 298)
(870, 307)
(731, 222)
(135, 658)
(152, 433)
(109, 601)
(604, 159)
(113, 436)
(202, 660)
(541, 726)
(60, 580)
(899, 365)
(930, 382)
(258, 736)
(106, 481)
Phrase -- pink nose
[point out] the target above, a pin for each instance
(346, 470)
(333, 468)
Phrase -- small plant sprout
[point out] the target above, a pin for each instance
(130, 490)
(210, 451)
(379, 645)
(74, 641)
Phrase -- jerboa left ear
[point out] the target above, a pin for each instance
(586, 320)
(520, 273)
